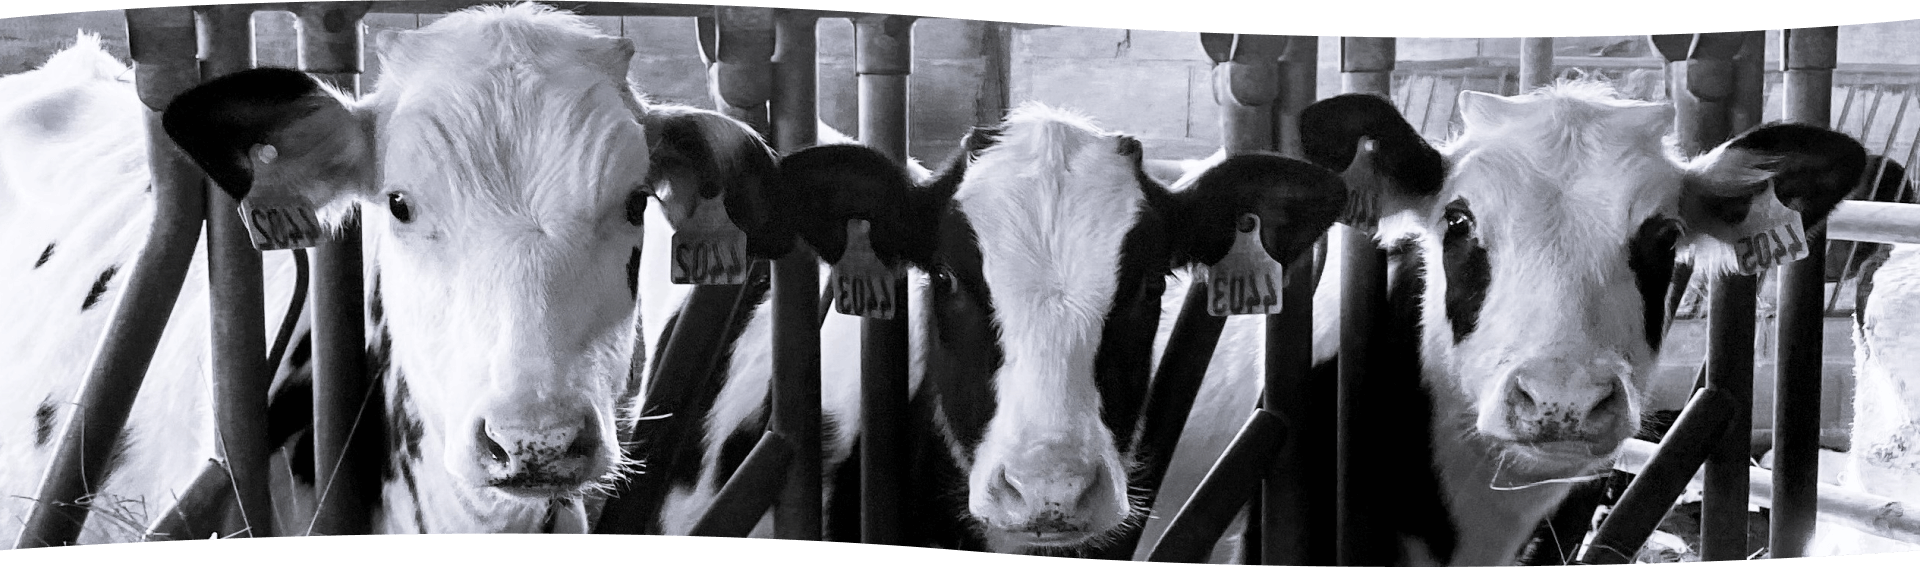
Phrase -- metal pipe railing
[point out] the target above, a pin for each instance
(1867, 221)
(1366, 66)
(329, 46)
(884, 61)
(1536, 63)
(1866, 513)
(241, 374)
(161, 41)
(1809, 61)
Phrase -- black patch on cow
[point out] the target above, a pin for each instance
(734, 450)
(44, 256)
(1331, 129)
(1650, 253)
(843, 507)
(633, 274)
(43, 422)
(1820, 167)
(1123, 362)
(99, 288)
(1468, 271)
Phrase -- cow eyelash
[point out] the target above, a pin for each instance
(942, 279)
(398, 205)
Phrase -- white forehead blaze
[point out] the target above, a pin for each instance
(1050, 203)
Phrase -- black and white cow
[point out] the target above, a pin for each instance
(502, 165)
(1529, 257)
(1039, 258)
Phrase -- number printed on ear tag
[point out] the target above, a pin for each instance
(708, 249)
(1771, 236)
(281, 225)
(863, 286)
(1247, 281)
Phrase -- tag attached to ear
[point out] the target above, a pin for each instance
(708, 249)
(863, 286)
(277, 221)
(1771, 236)
(1246, 281)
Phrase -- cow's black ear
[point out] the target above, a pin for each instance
(1296, 202)
(822, 188)
(1399, 162)
(272, 131)
(704, 155)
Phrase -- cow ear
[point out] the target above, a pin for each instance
(1754, 181)
(1295, 202)
(825, 188)
(1382, 157)
(276, 139)
(699, 158)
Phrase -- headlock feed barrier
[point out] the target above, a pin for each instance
(1300, 466)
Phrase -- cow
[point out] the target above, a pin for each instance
(1039, 258)
(1882, 460)
(1528, 260)
(502, 165)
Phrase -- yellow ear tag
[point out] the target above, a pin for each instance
(278, 222)
(1771, 236)
(863, 286)
(708, 249)
(1246, 281)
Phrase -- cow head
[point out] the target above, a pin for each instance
(502, 166)
(1548, 230)
(1046, 249)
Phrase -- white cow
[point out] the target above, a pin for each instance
(502, 163)
(1528, 257)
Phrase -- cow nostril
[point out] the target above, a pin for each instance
(1519, 399)
(493, 448)
(583, 442)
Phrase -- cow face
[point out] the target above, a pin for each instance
(1046, 250)
(1548, 231)
(502, 166)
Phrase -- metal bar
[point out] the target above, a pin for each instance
(1639, 509)
(745, 498)
(996, 79)
(329, 45)
(1730, 331)
(1295, 511)
(1194, 530)
(195, 515)
(582, 8)
(1870, 514)
(1366, 65)
(742, 66)
(1183, 364)
(241, 373)
(679, 394)
(1810, 57)
(883, 61)
(161, 41)
(1536, 63)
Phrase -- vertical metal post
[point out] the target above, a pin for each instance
(1808, 61)
(1296, 511)
(1536, 63)
(995, 97)
(884, 61)
(743, 78)
(329, 46)
(1714, 80)
(161, 41)
(241, 373)
(1366, 65)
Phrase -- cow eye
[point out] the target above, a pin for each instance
(636, 208)
(943, 280)
(397, 204)
(1459, 223)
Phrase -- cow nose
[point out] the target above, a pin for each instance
(1044, 495)
(1556, 404)
(535, 454)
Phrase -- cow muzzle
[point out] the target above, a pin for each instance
(1560, 414)
(1049, 496)
(539, 451)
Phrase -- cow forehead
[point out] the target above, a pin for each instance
(549, 144)
(1051, 203)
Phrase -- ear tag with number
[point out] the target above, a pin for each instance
(1771, 236)
(278, 221)
(708, 249)
(1246, 281)
(863, 286)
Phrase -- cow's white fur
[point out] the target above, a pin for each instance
(1563, 271)
(73, 171)
(514, 263)
(1885, 456)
